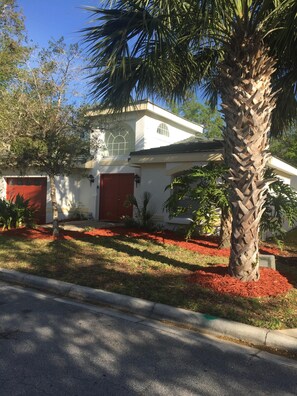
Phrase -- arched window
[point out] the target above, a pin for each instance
(119, 140)
(163, 129)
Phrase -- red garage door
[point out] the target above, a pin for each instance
(31, 188)
(114, 189)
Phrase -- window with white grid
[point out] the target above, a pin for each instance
(119, 141)
(163, 129)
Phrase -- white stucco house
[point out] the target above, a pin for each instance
(143, 149)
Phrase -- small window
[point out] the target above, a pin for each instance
(163, 130)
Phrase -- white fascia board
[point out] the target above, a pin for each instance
(282, 166)
(157, 110)
(174, 118)
(183, 157)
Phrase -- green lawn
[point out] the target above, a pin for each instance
(150, 270)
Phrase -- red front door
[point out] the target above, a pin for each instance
(114, 190)
(31, 188)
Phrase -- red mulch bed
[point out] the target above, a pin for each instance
(216, 278)
(271, 282)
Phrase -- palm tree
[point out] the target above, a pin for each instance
(237, 50)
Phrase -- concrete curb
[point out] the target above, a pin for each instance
(202, 322)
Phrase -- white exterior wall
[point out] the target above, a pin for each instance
(153, 139)
(75, 194)
(154, 180)
(156, 176)
(139, 132)
(100, 134)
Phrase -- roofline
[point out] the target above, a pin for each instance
(147, 105)
(142, 158)
(280, 165)
(204, 156)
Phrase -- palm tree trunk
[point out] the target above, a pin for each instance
(247, 106)
(55, 212)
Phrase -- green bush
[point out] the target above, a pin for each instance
(202, 190)
(143, 216)
(16, 212)
(280, 207)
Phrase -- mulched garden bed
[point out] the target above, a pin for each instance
(271, 282)
(216, 278)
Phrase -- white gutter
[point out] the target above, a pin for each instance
(282, 166)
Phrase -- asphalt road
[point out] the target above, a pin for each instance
(51, 346)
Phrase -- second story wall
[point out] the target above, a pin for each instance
(161, 131)
(145, 127)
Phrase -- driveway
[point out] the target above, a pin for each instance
(81, 225)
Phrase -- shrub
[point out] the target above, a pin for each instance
(280, 207)
(143, 216)
(16, 212)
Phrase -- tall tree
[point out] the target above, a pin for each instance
(48, 130)
(12, 36)
(191, 109)
(13, 52)
(240, 50)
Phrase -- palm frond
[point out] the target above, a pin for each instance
(163, 49)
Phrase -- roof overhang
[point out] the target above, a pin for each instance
(281, 166)
(204, 156)
(147, 106)
(180, 157)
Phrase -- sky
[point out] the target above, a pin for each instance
(51, 19)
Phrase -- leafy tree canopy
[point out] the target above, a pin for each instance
(285, 147)
(12, 36)
(45, 130)
(200, 113)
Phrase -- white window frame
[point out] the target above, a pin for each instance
(119, 140)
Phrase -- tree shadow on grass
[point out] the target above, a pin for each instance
(88, 262)
(119, 244)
